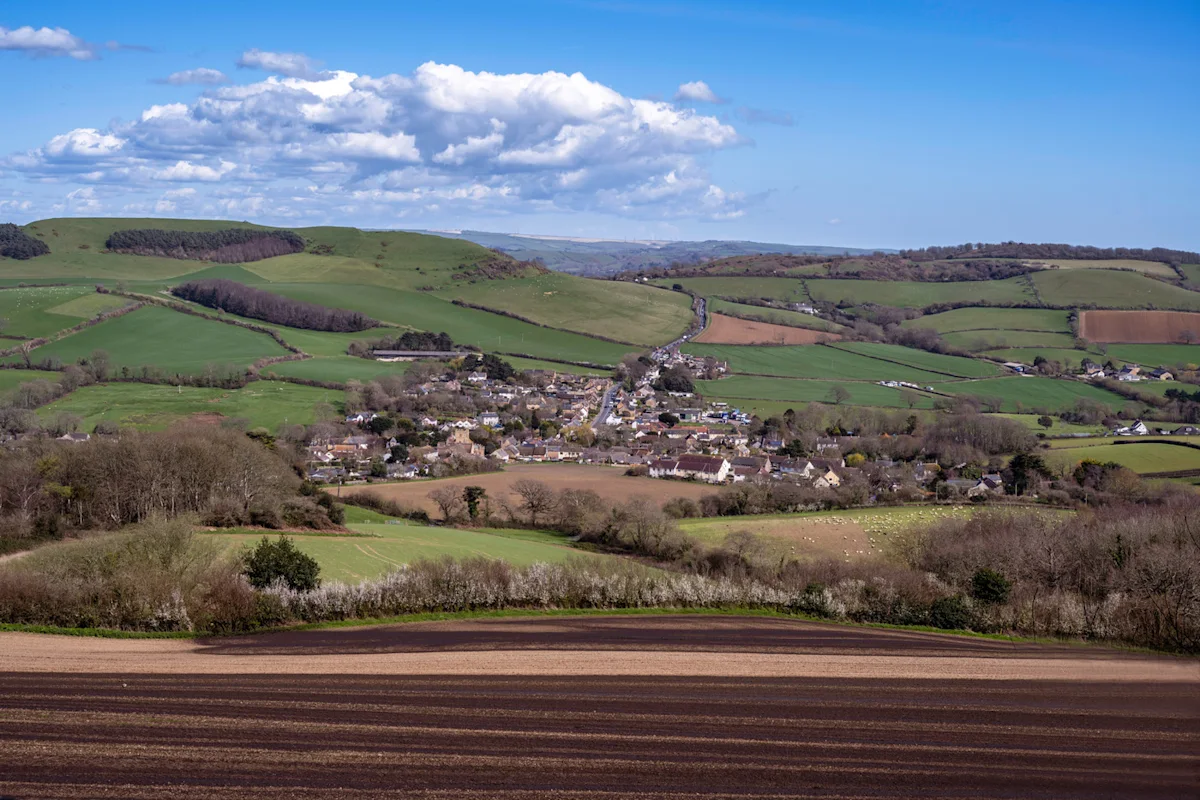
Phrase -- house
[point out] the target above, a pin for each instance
(1130, 373)
(1187, 430)
(988, 484)
(924, 473)
(489, 419)
(360, 418)
(1138, 428)
(710, 469)
(74, 438)
(1161, 375)
(759, 465)
(827, 480)
(403, 471)
(477, 377)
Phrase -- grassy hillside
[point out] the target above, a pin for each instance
(1034, 393)
(810, 361)
(786, 289)
(1139, 457)
(932, 362)
(158, 337)
(40, 311)
(914, 294)
(993, 319)
(777, 316)
(336, 369)
(791, 392)
(1110, 289)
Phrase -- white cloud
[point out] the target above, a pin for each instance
(293, 65)
(202, 76)
(47, 42)
(303, 143)
(697, 92)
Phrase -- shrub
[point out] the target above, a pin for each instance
(280, 560)
(989, 586)
(950, 613)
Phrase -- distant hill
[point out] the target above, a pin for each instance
(598, 257)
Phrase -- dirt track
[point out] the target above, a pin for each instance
(860, 713)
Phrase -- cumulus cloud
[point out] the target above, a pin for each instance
(697, 92)
(202, 76)
(306, 144)
(55, 42)
(762, 116)
(293, 65)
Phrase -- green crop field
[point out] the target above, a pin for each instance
(1031, 393)
(1110, 289)
(158, 337)
(336, 369)
(787, 289)
(738, 388)
(381, 547)
(1142, 457)
(1057, 428)
(777, 316)
(629, 312)
(265, 404)
(31, 312)
(921, 359)
(1192, 271)
(1167, 355)
(1068, 358)
(913, 294)
(420, 311)
(978, 341)
(809, 361)
(993, 319)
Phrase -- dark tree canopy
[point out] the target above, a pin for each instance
(226, 247)
(246, 301)
(15, 243)
(415, 340)
(1050, 251)
(281, 560)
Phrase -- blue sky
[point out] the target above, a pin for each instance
(860, 124)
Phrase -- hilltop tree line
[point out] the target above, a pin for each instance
(246, 301)
(15, 243)
(1050, 251)
(410, 340)
(231, 246)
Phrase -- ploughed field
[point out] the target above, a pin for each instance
(1140, 327)
(731, 330)
(587, 707)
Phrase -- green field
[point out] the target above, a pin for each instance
(381, 547)
(790, 391)
(32, 312)
(1068, 358)
(265, 404)
(1148, 267)
(12, 378)
(1192, 271)
(1141, 457)
(1109, 289)
(420, 311)
(777, 316)
(786, 289)
(993, 319)
(628, 312)
(1153, 355)
(336, 369)
(553, 366)
(158, 337)
(1029, 393)
(921, 359)
(978, 341)
(809, 361)
(915, 294)
(1058, 428)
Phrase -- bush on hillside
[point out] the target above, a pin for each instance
(15, 243)
(280, 560)
(246, 301)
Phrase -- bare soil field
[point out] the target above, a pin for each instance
(1140, 327)
(836, 537)
(611, 483)
(591, 707)
(731, 330)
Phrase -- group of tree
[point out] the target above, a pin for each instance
(247, 301)
(15, 243)
(414, 341)
(1041, 252)
(230, 246)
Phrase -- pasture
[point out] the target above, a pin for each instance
(265, 404)
(1068, 358)
(978, 341)
(1031, 393)
(1110, 289)
(1148, 267)
(12, 378)
(775, 316)
(743, 390)
(788, 290)
(33, 312)
(1141, 457)
(374, 549)
(810, 361)
(611, 483)
(916, 294)
(993, 319)
(731, 330)
(1140, 327)
(158, 337)
(621, 310)
(336, 369)
(955, 366)
(1166, 355)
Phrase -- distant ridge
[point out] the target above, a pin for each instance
(595, 256)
